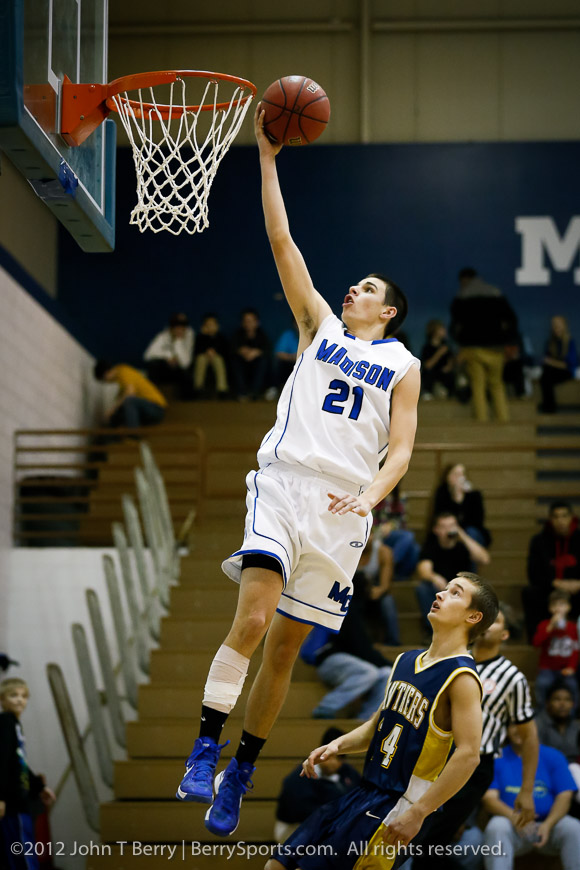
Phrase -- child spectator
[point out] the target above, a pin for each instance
(211, 352)
(138, 402)
(456, 495)
(250, 357)
(557, 639)
(560, 362)
(19, 786)
(169, 357)
(437, 361)
(553, 563)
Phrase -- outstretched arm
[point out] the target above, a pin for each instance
(308, 306)
(401, 440)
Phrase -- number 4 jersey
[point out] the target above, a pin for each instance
(334, 411)
(408, 751)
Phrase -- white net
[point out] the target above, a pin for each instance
(176, 158)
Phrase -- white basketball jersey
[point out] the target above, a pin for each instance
(334, 411)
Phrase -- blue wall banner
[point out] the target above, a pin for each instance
(417, 213)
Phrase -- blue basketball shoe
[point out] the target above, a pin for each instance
(223, 817)
(197, 784)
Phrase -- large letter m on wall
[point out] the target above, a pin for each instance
(540, 239)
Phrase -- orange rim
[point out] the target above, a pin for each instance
(166, 77)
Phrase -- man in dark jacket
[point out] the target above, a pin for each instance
(553, 563)
(301, 796)
(483, 323)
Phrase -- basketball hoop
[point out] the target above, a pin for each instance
(176, 154)
(178, 142)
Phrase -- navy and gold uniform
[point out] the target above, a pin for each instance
(407, 753)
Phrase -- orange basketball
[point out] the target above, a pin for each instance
(297, 110)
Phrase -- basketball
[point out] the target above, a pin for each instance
(297, 110)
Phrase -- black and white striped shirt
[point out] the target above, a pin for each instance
(506, 699)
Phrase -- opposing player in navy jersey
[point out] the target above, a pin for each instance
(432, 701)
(352, 394)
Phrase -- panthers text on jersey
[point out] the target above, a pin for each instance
(408, 750)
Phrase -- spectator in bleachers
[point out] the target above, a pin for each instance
(21, 790)
(169, 357)
(554, 832)
(250, 357)
(553, 563)
(556, 724)
(518, 362)
(211, 354)
(557, 639)
(456, 495)
(447, 550)
(377, 567)
(285, 353)
(560, 362)
(483, 323)
(138, 402)
(437, 362)
(301, 796)
(348, 661)
(390, 519)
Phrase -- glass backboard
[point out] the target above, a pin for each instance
(48, 40)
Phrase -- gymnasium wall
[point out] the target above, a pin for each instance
(28, 230)
(417, 212)
(423, 70)
(45, 383)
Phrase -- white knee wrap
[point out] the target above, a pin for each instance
(225, 679)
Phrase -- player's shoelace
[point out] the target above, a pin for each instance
(205, 759)
(233, 786)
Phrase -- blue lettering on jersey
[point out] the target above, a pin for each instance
(340, 595)
(324, 351)
(374, 375)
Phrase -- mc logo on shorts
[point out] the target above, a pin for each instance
(343, 596)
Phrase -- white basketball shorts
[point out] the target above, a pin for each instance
(288, 519)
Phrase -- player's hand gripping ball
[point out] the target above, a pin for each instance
(296, 111)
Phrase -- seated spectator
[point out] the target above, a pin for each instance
(456, 495)
(483, 322)
(447, 551)
(560, 362)
(557, 639)
(518, 363)
(285, 353)
(250, 357)
(348, 661)
(556, 724)
(169, 357)
(437, 362)
(554, 833)
(211, 353)
(300, 796)
(390, 516)
(553, 563)
(20, 788)
(138, 402)
(376, 567)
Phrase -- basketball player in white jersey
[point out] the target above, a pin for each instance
(352, 394)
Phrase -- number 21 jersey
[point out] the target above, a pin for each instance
(334, 411)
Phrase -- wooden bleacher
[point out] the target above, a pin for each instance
(519, 466)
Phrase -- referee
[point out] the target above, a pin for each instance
(506, 700)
